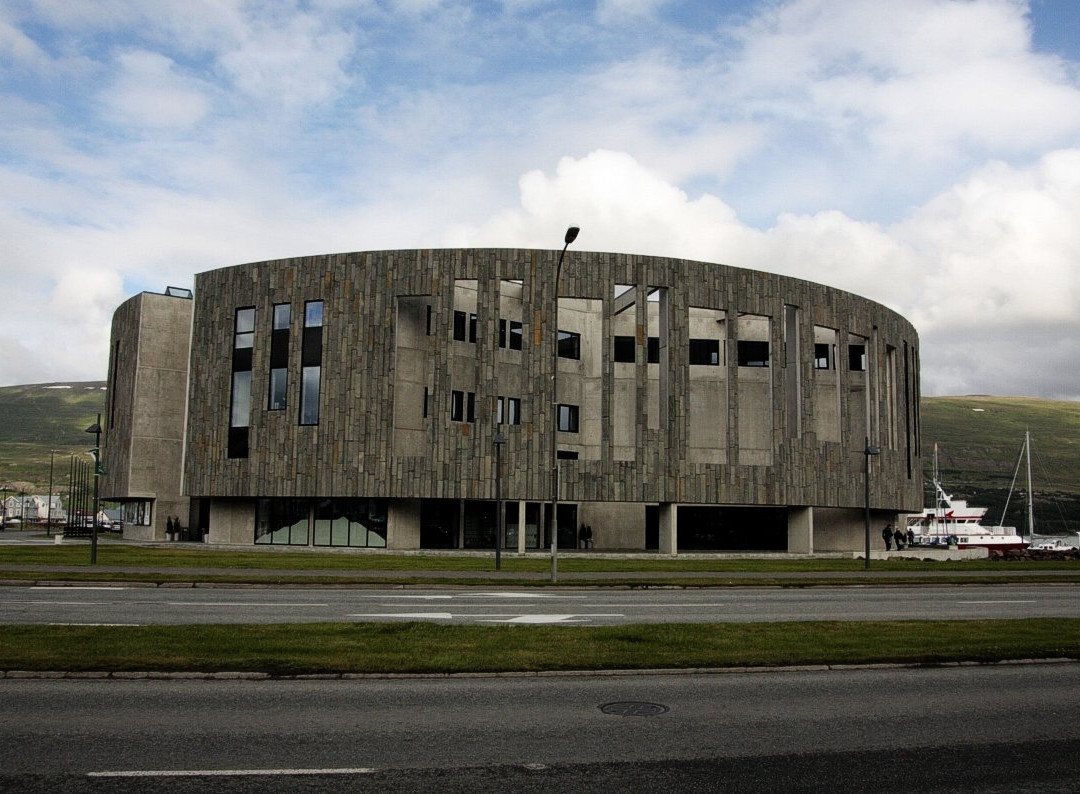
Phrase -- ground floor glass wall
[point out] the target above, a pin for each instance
(353, 522)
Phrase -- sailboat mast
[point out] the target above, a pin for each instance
(1031, 496)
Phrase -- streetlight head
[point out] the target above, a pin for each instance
(571, 234)
(499, 439)
(94, 428)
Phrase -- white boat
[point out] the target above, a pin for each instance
(953, 522)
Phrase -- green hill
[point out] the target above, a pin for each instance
(41, 418)
(978, 440)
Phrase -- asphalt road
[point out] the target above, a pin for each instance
(988, 729)
(127, 605)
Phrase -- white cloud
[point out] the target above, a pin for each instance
(294, 61)
(996, 253)
(919, 153)
(149, 92)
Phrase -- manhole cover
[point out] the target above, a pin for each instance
(633, 708)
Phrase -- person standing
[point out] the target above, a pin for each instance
(887, 536)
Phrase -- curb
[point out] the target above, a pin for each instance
(157, 675)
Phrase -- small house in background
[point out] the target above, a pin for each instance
(33, 509)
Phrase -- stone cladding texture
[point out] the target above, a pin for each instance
(350, 452)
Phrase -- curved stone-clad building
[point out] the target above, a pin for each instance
(354, 399)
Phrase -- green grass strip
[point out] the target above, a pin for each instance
(428, 648)
(77, 553)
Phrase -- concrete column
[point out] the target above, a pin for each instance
(800, 530)
(521, 528)
(403, 524)
(669, 528)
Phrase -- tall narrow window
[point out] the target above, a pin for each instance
(279, 357)
(311, 363)
(240, 401)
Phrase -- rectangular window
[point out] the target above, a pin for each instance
(245, 327)
(753, 354)
(705, 352)
(857, 358)
(457, 406)
(569, 345)
(821, 356)
(508, 411)
(282, 316)
(429, 320)
(425, 402)
(240, 397)
(565, 454)
(623, 350)
(470, 407)
(279, 382)
(652, 352)
(309, 395)
(511, 340)
(279, 357)
(311, 363)
(463, 330)
(568, 418)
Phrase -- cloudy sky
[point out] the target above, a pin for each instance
(923, 153)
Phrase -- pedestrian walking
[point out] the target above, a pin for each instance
(887, 536)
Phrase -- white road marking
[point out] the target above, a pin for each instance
(524, 595)
(64, 603)
(238, 604)
(80, 587)
(407, 595)
(360, 770)
(415, 615)
(552, 618)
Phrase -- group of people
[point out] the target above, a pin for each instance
(891, 535)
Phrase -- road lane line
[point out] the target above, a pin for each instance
(359, 770)
(414, 615)
(80, 587)
(237, 604)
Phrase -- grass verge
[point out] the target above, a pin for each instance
(226, 561)
(426, 648)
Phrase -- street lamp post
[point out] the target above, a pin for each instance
(500, 515)
(96, 430)
(48, 521)
(868, 451)
(571, 235)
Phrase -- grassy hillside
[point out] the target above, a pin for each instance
(40, 418)
(978, 441)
